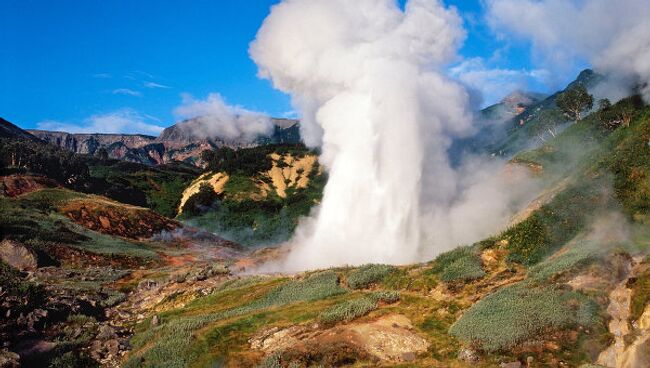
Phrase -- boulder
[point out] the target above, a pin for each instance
(18, 256)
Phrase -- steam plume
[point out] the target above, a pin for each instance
(365, 76)
(614, 36)
(214, 118)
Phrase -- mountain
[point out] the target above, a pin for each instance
(9, 130)
(180, 142)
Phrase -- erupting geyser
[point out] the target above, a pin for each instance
(365, 77)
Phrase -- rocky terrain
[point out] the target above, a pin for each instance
(180, 142)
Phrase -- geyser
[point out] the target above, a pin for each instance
(366, 77)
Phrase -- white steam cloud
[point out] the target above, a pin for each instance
(366, 77)
(613, 36)
(213, 118)
(124, 121)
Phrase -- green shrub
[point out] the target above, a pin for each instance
(348, 310)
(578, 255)
(367, 275)
(520, 312)
(351, 309)
(460, 264)
(640, 295)
(201, 201)
(555, 223)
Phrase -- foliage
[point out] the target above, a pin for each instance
(577, 255)
(367, 275)
(73, 360)
(520, 312)
(259, 222)
(33, 218)
(628, 159)
(555, 223)
(460, 264)
(574, 101)
(247, 161)
(44, 159)
(640, 295)
(619, 115)
(159, 188)
(348, 310)
(352, 309)
(201, 201)
(13, 285)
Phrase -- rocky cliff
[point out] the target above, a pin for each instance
(180, 142)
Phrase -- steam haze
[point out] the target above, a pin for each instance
(217, 119)
(613, 36)
(366, 77)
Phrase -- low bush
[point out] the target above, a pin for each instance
(348, 310)
(577, 255)
(352, 309)
(367, 275)
(520, 312)
(460, 264)
(640, 295)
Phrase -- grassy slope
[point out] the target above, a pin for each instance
(34, 218)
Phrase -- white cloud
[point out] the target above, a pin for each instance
(494, 83)
(125, 121)
(155, 85)
(126, 91)
(217, 119)
(614, 36)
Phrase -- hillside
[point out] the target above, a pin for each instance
(254, 196)
(183, 141)
(564, 286)
(112, 263)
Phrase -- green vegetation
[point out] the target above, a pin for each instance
(13, 286)
(640, 295)
(35, 157)
(367, 275)
(173, 337)
(159, 188)
(555, 223)
(248, 162)
(574, 101)
(577, 255)
(460, 264)
(253, 222)
(521, 312)
(352, 309)
(34, 219)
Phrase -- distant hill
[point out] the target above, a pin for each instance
(9, 130)
(180, 142)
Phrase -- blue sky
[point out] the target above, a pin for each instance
(71, 63)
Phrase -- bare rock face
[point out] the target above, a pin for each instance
(18, 256)
(389, 339)
(15, 185)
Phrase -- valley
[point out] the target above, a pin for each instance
(125, 263)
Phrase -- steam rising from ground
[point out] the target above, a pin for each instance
(365, 76)
(614, 36)
(217, 119)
